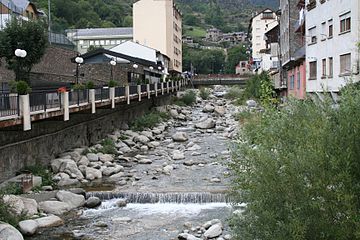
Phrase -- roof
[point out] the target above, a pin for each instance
(21, 3)
(11, 5)
(123, 31)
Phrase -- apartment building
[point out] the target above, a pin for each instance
(158, 24)
(332, 34)
(261, 23)
(17, 8)
(99, 37)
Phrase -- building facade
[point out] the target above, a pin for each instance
(85, 39)
(158, 24)
(260, 24)
(332, 34)
(17, 8)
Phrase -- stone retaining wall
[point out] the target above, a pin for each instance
(51, 137)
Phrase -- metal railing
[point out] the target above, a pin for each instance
(143, 89)
(77, 97)
(119, 91)
(102, 94)
(133, 90)
(42, 101)
(152, 87)
(9, 105)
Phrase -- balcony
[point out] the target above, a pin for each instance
(311, 5)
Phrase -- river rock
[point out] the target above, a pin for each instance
(145, 161)
(83, 161)
(121, 202)
(93, 157)
(215, 180)
(30, 207)
(105, 157)
(93, 202)
(220, 110)
(227, 237)
(142, 139)
(144, 148)
(116, 176)
(71, 169)
(147, 134)
(251, 104)
(72, 199)
(213, 231)
(122, 220)
(208, 108)
(112, 170)
(207, 124)
(178, 155)
(153, 144)
(16, 205)
(68, 182)
(180, 137)
(173, 113)
(8, 232)
(55, 164)
(187, 236)
(92, 173)
(49, 221)
(168, 169)
(54, 207)
(28, 227)
(195, 147)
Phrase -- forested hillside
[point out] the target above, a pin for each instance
(228, 15)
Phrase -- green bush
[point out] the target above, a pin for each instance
(43, 172)
(234, 93)
(78, 86)
(90, 85)
(112, 83)
(189, 98)
(108, 146)
(204, 93)
(22, 88)
(149, 120)
(298, 170)
(5, 213)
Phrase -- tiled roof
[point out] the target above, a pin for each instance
(103, 32)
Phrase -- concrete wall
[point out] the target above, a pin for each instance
(299, 89)
(49, 138)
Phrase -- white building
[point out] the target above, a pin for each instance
(99, 37)
(332, 32)
(260, 24)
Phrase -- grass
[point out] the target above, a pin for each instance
(43, 172)
(188, 99)
(108, 146)
(204, 93)
(149, 120)
(195, 32)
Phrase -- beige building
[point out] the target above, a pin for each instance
(158, 24)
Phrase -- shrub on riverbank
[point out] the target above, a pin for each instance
(299, 171)
(43, 172)
(149, 120)
(204, 93)
(188, 99)
(5, 212)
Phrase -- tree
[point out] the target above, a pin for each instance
(235, 54)
(27, 35)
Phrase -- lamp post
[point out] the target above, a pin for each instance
(112, 64)
(19, 53)
(135, 66)
(79, 61)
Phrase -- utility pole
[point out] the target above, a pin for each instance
(49, 13)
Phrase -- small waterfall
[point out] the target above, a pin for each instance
(176, 197)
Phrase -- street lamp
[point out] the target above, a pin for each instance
(78, 60)
(112, 63)
(135, 66)
(20, 53)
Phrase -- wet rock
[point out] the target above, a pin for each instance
(189, 163)
(68, 182)
(207, 124)
(213, 231)
(178, 155)
(180, 137)
(28, 227)
(49, 221)
(93, 202)
(122, 220)
(8, 232)
(188, 225)
(195, 154)
(92, 173)
(54, 207)
(153, 144)
(121, 203)
(117, 176)
(72, 199)
(122, 183)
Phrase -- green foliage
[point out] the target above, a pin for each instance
(235, 55)
(43, 172)
(149, 120)
(267, 92)
(298, 170)
(22, 88)
(204, 93)
(5, 211)
(11, 189)
(27, 35)
(234, 92)
(112, 83)
(188, 99)
(108, 146)
(78, 86)
(90, 85)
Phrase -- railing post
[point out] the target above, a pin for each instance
(112, 96)
(92, 100)
(172, 86)
(167, 87)
(148, 90)
(44, 99)
(156, 89)
(25, 111)
(162, 88)
(139, 92)
(127, 94)
(65, 103)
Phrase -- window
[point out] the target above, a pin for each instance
(107, 42)
(323, 31)
(113, 42)
(331, 66)
(345, 23)
(97, 42)
(324, 67)
(81, 42)
(91, 43)
(102, 42)
(345, 63)
(312, 34)
(331, 28)
(298, 80)
(292, 82)
(313, 70)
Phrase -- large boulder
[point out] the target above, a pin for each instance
(71, 168)
(49, 221)
(72, 199)
(105, 158)
(213, 231)
(93, 157)
(30, 207)
(92, 173)
(93, 202)
(174, 113)
(209, 108)
(54, 207)
(8, 232)
(142, 139)
(15, 203)
(83, 161)
(207, 124)
(28, 227)
(180, 137)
